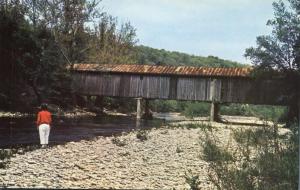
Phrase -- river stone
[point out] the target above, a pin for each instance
(99, 163)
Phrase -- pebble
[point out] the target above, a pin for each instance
(100, 164)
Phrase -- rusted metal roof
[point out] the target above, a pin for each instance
(165, 70)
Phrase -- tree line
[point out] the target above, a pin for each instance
(152, 56)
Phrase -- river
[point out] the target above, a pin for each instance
(16, 132)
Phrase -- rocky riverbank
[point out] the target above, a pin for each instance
(160, 162)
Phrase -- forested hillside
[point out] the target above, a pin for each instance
(148, 55)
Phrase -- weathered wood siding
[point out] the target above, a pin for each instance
(231, 90)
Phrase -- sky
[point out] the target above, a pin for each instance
(223, 28)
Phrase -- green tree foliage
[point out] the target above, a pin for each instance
(31, 62)
(264, 159)
(38, 40)
(278, 53)
(110, 44)
(68, 22)
(151, 56)
(14, 50)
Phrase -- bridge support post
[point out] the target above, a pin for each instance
(147, 114)
(139, 108)
(215, 106)
(99, 104)
(214, 111)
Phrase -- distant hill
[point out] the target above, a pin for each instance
(151, 56)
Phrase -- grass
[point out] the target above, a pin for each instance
(213, 153)
(263, 160)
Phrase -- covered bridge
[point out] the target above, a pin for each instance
(216, 85)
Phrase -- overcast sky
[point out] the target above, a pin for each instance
(223, 28)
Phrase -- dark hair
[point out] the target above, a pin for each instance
(44, 106)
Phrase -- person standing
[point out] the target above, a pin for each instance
(43, 123)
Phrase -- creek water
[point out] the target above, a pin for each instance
(22, 131)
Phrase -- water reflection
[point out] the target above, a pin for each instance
(22, 131)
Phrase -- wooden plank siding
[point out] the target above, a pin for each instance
(226, 89)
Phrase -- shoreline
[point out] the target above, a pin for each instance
(100, 163)
(162, 161)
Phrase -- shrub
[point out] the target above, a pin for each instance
(192, 180)
(254, 137)
(178, 149)
(264, 160)
(4, 157)
(202, 126)
(117, 141)
(213, 153)
(166, 105)
(274, 113)
(194, 109)
(142, 135)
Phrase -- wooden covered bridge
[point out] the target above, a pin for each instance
(215, 85)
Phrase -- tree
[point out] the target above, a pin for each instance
(69, 22)
(279, 51)
(33, 68)
(112, 45)
(18, 51)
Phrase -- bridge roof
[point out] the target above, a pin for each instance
(165, 70)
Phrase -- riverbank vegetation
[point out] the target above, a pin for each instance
(262, 159)
(200, 109)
